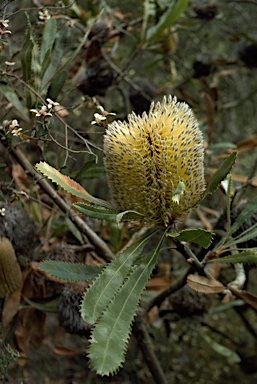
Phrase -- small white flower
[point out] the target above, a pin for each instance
(2, 211)
(10, 63)
(51, 103)
(4, 23)
(44, 15)
(43, 112)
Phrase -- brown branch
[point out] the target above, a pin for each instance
(145, 343)
(101, 247)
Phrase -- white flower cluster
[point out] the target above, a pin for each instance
(45, 110)
(12, 127)
(101, 118)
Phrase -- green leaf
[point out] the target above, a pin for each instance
(63, 270)
(99, 213)
(69, 185)
(199, 236)
(60, 46)
(90, 171)
(11, 96)
(220, 174)
(221, 349)
(48, 306)
(167, 19)
(105, 287)
(57, 85)
(48, 37)
(26, 55)
(245, 257)
(74, 230)
(250, 208)
(110, 335)
(128, 215)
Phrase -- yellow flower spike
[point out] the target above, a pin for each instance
(151, 157)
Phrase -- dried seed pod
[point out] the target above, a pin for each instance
(148, 158)
(10, 272)
(22, 232)
(187, 302)
(69, 310)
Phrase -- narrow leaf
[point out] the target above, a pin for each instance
(245, 257)
(48, 37)
(57, 85)
(26, 55)
(66, 271)
(48, 306)
(204, 285)
(250, 208)
(110, 336)
(60, 46)
(167, 19)
(68, 184)
(99, 213)
(220, 174)
(221, 349)
(11, 96)
(105, 287)
(199, 236)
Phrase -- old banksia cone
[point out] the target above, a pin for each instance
(150, 158)
(10, 272)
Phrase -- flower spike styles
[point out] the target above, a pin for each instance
(155, 163)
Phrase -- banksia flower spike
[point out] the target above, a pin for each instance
(155, 163)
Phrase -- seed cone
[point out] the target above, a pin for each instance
(149, 156)
(10, 272)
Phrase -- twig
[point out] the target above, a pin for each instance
(144, 341)
(101, 247)
(158, 299)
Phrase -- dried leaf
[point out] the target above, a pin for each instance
(247, 297)
(65, 351)
(204, 285)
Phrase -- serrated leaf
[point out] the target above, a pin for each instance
(110, 335)
(99, 213)
(11, 96)
(220, 174)
(245, 257)
(128, 215)
(48, 38)
(68, 184)
(67, 271)
(167, 19)
(221, 349)
(204, 285)
(105, 287)
(199, 236)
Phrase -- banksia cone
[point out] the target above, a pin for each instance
(10, 272)
(149, 158)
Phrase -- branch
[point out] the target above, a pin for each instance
(142, 336)
(101, 247)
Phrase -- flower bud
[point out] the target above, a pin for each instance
(149, 158)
